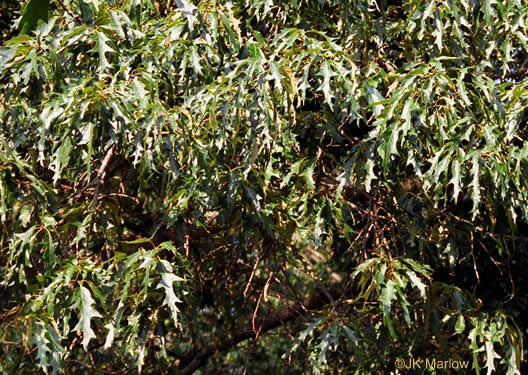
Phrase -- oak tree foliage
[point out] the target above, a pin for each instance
(269, 186)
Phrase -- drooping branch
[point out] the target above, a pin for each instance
(198, 356)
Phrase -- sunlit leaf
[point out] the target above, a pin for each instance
(84, 305)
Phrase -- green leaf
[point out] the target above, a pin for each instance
(167, 281)
(369, 168)
(491, 355)
(460, 325)
(308, 174)
(475, 183)
(188, 12)
(42, 342)
(310, 329)
(422, 269)
(455, 180)
(61, 158)
(87, 132)
(351, 335)
(25, 215)
(110, 336)
(6, 54)
(33, 12)
(195, 61)
(295, 168)
(276, 76)
(374, 98)
(387, 296)
(415, 280)
(327, 73)
(102, 47)
(84, 303)
(364, 266)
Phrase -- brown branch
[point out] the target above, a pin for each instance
(75, 17)
(248, 285)
(197, 357)
(101, 173)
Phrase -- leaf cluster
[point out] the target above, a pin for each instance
(179, 178)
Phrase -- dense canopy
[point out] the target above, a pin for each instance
(261, 187)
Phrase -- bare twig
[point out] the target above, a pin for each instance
(254, 318)
(100, 173)
(186, 245)
(75, 17)
(136, 200)
(474, 260)
(290, 286)
(251, 276)
(266, 287)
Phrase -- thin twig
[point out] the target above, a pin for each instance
(266, 286)
(186, 245)
(290, 286)
(75, 17)
(248, 285)
(474, 260)
(136, 200)
(255, 316)
(100, 173)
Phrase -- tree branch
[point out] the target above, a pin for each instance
(75, 17)
(101, 173)
(197, 357)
